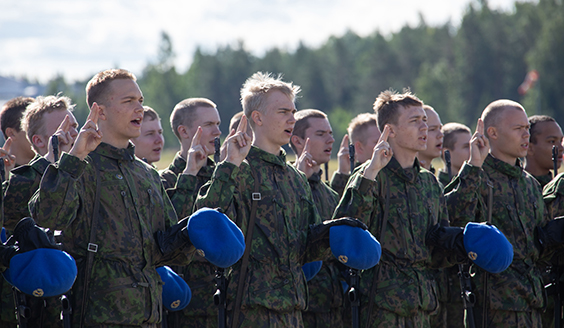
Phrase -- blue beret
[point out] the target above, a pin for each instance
(311, 269)
(487, 247)
(176, 293)
(355, 247)
(42, 272)
(216, 237)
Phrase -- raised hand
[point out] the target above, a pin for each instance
(197, 155)
(89, 136)
(479, 145)
(381, 155)
(305, 163)
(238, 145)
(66, 140)
(344, 160)
(9, 160)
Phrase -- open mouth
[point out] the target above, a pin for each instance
(289, 131)
(328, 151)
(137, 122)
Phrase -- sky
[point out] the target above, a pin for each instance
(78, 38)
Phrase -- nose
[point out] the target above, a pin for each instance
(440, 135)
(159, 140)
(331, 139)
(216, 131)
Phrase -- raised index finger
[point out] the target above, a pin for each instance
(306, 146)
(242, 124)
(94, 113)
(197, 137)
(8, 144)
(480, 126)
(64, 126)
(385, 134)
(345, 141)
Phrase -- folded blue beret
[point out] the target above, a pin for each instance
(355, 247)
(42, 272)
(487, 247)
(216, 237)
(311, 269)
(176, 293)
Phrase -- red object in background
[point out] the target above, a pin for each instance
(529, 82)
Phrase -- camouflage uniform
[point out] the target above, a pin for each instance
(183, 190)
(543, 179)
(339, 182)
(517, 210)
(443, 178)
(325, 307)
(125, 288)
(405, 292)
(275, 286)
(24, 181)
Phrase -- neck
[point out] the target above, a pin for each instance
(266, 146)
(424, 161)
(405, 158)
(22, 158)
(121, 144)
(535, 169)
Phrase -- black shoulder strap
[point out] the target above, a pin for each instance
(256, 196)
(385, 188)
(92, 246)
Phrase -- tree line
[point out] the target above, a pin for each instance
(456, 70)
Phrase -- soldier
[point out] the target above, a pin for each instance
(513, 298)
(109, 204)
(457, 141)
(388, 192)
(363, 133)
(234, 124)
(434, 139)
(149, 145)
(312, 141)
(267, 287)
(545, 133)
(10, 118)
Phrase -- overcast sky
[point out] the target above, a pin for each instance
(78, 38)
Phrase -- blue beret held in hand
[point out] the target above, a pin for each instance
(487, 247)
(355, 247)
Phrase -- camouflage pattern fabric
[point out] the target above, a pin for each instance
(339, 182)
(260, 317)
(125, 288)
(443, 177)
(543, 179)
(326, 301)
(24, 181)
(406, 284)
(517, 210)
(201, 311)
(280, 241)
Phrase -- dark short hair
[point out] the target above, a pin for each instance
(183, 112)
(389, 102)
(302, 123)
(12, 113)
(534, 129)
(450, 131)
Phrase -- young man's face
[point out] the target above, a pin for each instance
(22, 144)
(208, 119)
(434, 137)
(321, 139)
(365, 146)
(51, 122)
(410, 133)
(460, 152)
(149, 144)
(277, 121)
(512, 140)
(123, 111)
(550, 134)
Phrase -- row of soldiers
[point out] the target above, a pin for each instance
(100, 181)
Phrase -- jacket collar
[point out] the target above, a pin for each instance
(256, 153)
(409, 175)
(514, 171)
(124, 154)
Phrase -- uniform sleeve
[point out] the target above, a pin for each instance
(183, 195)
(358, 200)
(220, 190)
(55, 204)
(464, 196)
(339, 182)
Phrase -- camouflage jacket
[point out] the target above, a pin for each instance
(544, 179)
(517, 210)
(339, 182)
(443, 178)
(405, 274)
(24, 181)
(553, 194)
(183, 190)
(124, 288)
(280, 245)
(325, 289)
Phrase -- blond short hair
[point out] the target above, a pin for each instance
(256, 88)
(359, 125)
(97, 88)
(184, 112)
(492, 113)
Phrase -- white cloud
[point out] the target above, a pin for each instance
(78, 38)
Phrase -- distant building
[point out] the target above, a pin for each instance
(11, 88)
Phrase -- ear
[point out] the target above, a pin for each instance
(531, 150)
(298, 142)
(10, 132)
(491, 133)
(38, 141)
(102, 114)
(358, 147)
(183, 132)
(392, 130)
(256, 117)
